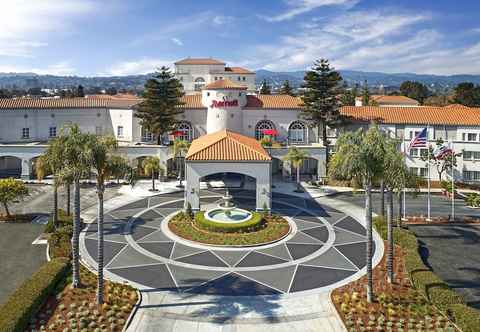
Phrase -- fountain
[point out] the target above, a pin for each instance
(227, 212)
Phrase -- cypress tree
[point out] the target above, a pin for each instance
(159, 109)
(365, 94)
(286, 89)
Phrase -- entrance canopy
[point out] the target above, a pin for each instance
(228, 152)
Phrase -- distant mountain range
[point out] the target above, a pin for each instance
(276, 79)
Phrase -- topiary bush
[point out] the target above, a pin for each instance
(27, 299)
(254, 224)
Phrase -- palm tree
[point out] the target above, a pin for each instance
(360, 158)
(296, 157)
(151, 165)
(179, 150)
(77, 164)
(104, 165)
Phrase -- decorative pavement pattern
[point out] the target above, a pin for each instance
(326, 247)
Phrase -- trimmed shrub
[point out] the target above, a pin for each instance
(63, 220)
(60, 242)
(25, 302)
(254, 224)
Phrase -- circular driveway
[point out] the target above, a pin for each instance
(325, 248)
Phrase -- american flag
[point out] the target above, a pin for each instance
(419, 141)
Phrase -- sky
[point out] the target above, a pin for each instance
(123, 37)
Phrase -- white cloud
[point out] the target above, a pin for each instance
(141, 66)
(221, 20)
(26, 24)
(176, 41)
(298, 7)
(62, 68)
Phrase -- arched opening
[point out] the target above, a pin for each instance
(199, 83)
(184, 131)
(33, 163)
(297, 133)
(261, 127)
(10, 167)
(138, 162)
(308, 170)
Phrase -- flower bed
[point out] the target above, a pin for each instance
(275, 227)
(255, 223)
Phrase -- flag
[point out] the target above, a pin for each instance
(442, 151)
(419, 141)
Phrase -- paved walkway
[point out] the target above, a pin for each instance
(187, 286)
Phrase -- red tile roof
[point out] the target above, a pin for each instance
(273, 102)
(238, 70)
(226, 145)
(199, 61)
(224, 84)
(56, 103)
(392, 100)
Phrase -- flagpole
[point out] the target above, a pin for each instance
(404, 187)
(428, 165)
(453, 181)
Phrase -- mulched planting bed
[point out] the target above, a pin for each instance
(76, 309)
(16, 218)
(276, 228)
(398, 306)
(441, 221)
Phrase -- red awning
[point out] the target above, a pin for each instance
(270, 132)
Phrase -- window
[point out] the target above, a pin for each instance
(414, 153)
(331, 132)
(199, 83)
(440, 132)
(98, 130)
(239, 78)
(471, 137)
(451, 133)
(120, 131)
(261, 127)
(26, 133)
(400, 131)
(417, 153)
(243, 78)
(297, 133)
(420, 171)
(146, 135)
(52, 132)
(471, 176)
(414, 133)
(185, 131)
(471, 155)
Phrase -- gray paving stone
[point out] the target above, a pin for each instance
(139, 232)
(308, 277)
(109, 251)
(279, 251)
(302, 224)
(332, 258)
(301, 250)
(165, 211)
(276, 278)
(231, 257)
(188, 278)
(204, 258)
(108, 235)
(130, 257)
(308, 217)
(180, 250)
(333, 217)
(355, 252)
(351, 225)
(258, 259)
(173, 205)
(150, 215)
(302, 238)
(342, 237)
(155, 276)
(320, 233)
(126, 214)
(163, 249)
(156, 236)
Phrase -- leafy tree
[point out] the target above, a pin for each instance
(467, 94)
(103, 166)
(441, 164)
(80, 91)
(265, 88)
(159, 109)
(439, 100)
(321, 105)
(111, 91)
(414, 90)
(77, 164)
(365, 94)
(349, 96)
(11, 190)
(360, 158)
(286, 89)
(180, 149)
(296, 157)
(120, 167)
(151, 166)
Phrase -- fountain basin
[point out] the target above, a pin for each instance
(228, 215)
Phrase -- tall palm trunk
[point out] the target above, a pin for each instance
(76, 232)
(390, 236)
(100, 191)
(153, 180)
(180, 172)
(55, 204)
(68, 198)
(7, 211)
(382, 198)
(400, 204)
(368, 221)
(298, 177)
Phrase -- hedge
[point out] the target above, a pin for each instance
(424, 280)
(255, 223)
(27, 299)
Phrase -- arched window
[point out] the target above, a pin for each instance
(261, 127)
(185, 131)
(199, 83)
(297, 132)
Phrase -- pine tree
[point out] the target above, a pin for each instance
(265, 88)
(159, 109)
(365, 94)
(286, 89)
(321, 105)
